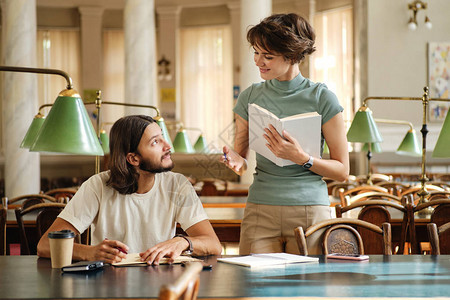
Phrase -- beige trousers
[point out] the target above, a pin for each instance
(270, 228)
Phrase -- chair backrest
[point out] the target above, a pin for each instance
(348, 200)
(394, 187)
(359, 190)
(440, 215)
(210, 187)
(46, 214)
(30, 200)
(63, 195)
(334, 187)
(3, 231)
(186, 286)
(415, 189)
(439, 238)
(442, 184)
(434, 195)
(334, 240)
(377, 213)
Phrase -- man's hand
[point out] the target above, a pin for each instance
(170, 249)
(110, 251)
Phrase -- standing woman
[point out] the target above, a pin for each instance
(282, 198)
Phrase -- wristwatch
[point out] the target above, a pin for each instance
(190, 250)
(309, 163)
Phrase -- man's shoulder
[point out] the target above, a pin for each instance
(173, 181)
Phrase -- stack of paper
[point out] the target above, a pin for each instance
(268, 259)
(135, 259)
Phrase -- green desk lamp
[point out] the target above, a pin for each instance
(67, 128)
(442, 148)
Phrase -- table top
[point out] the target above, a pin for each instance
(403, 276)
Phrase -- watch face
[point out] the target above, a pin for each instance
(307, 165)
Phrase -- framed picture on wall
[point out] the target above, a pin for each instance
(438, 79)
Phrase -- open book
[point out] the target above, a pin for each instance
(305, 128)
(134, 259)
(267, 259)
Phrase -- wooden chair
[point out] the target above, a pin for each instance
(30, 200)
(415, 189)
(335, 186)
(46, 215)
(3, 212)
(439, 238)
(394, 187)
(442, 184)
(186, 286)
(375, 177)
(377, 213)
(439, 216)
(438, 195)
(63, 195)
(359, 190)
(349, 199)
(211, 187)
(340, 236)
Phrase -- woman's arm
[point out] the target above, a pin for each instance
(235, 160)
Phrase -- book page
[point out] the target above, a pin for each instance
(135, 259)
(259, 119)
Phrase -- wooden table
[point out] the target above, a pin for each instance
(405, 277)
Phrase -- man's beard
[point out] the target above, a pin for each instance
(148, 166)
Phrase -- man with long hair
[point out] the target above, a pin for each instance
(135, 206)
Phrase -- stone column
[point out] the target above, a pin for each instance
(251, 14)
(168, 26)
(20, 96)
(140, 54)
(91, 49)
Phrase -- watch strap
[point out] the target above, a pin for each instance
(309, 163)
(190, 250)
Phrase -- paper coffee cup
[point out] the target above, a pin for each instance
(61, 247)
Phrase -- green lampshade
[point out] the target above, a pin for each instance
(104, 140)
(181, 143)
(363, 128)
(67, 128)
(375, 148)
(201, 145)
(32, 132)
(410, 145)
(442, 148)
(160, 121)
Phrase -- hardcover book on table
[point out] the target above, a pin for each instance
(305, 128)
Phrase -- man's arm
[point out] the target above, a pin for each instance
(107, 250)
(204, 241)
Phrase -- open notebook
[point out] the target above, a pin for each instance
(134, 259)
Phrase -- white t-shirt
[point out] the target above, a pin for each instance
(138, 220)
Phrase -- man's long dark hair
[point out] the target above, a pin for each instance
(125, 135)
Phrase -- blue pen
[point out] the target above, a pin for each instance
(225, 156)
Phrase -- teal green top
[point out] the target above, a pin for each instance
(289, 185)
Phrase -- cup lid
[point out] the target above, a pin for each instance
(63, 234)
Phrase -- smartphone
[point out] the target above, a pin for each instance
(348, 256)
(206, 266)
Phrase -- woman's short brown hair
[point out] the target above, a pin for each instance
(289, 35)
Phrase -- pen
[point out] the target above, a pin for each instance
(225, 156)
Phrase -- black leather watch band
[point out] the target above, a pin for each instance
(190, 250)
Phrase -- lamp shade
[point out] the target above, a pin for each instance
(442, 148)
(201, 145)
(181, 143)
(104, 140)
(326, 150)
(165, 133)
(375, 147)
(33, 131)
(410, 145)
(67, 128)
(363, 128)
